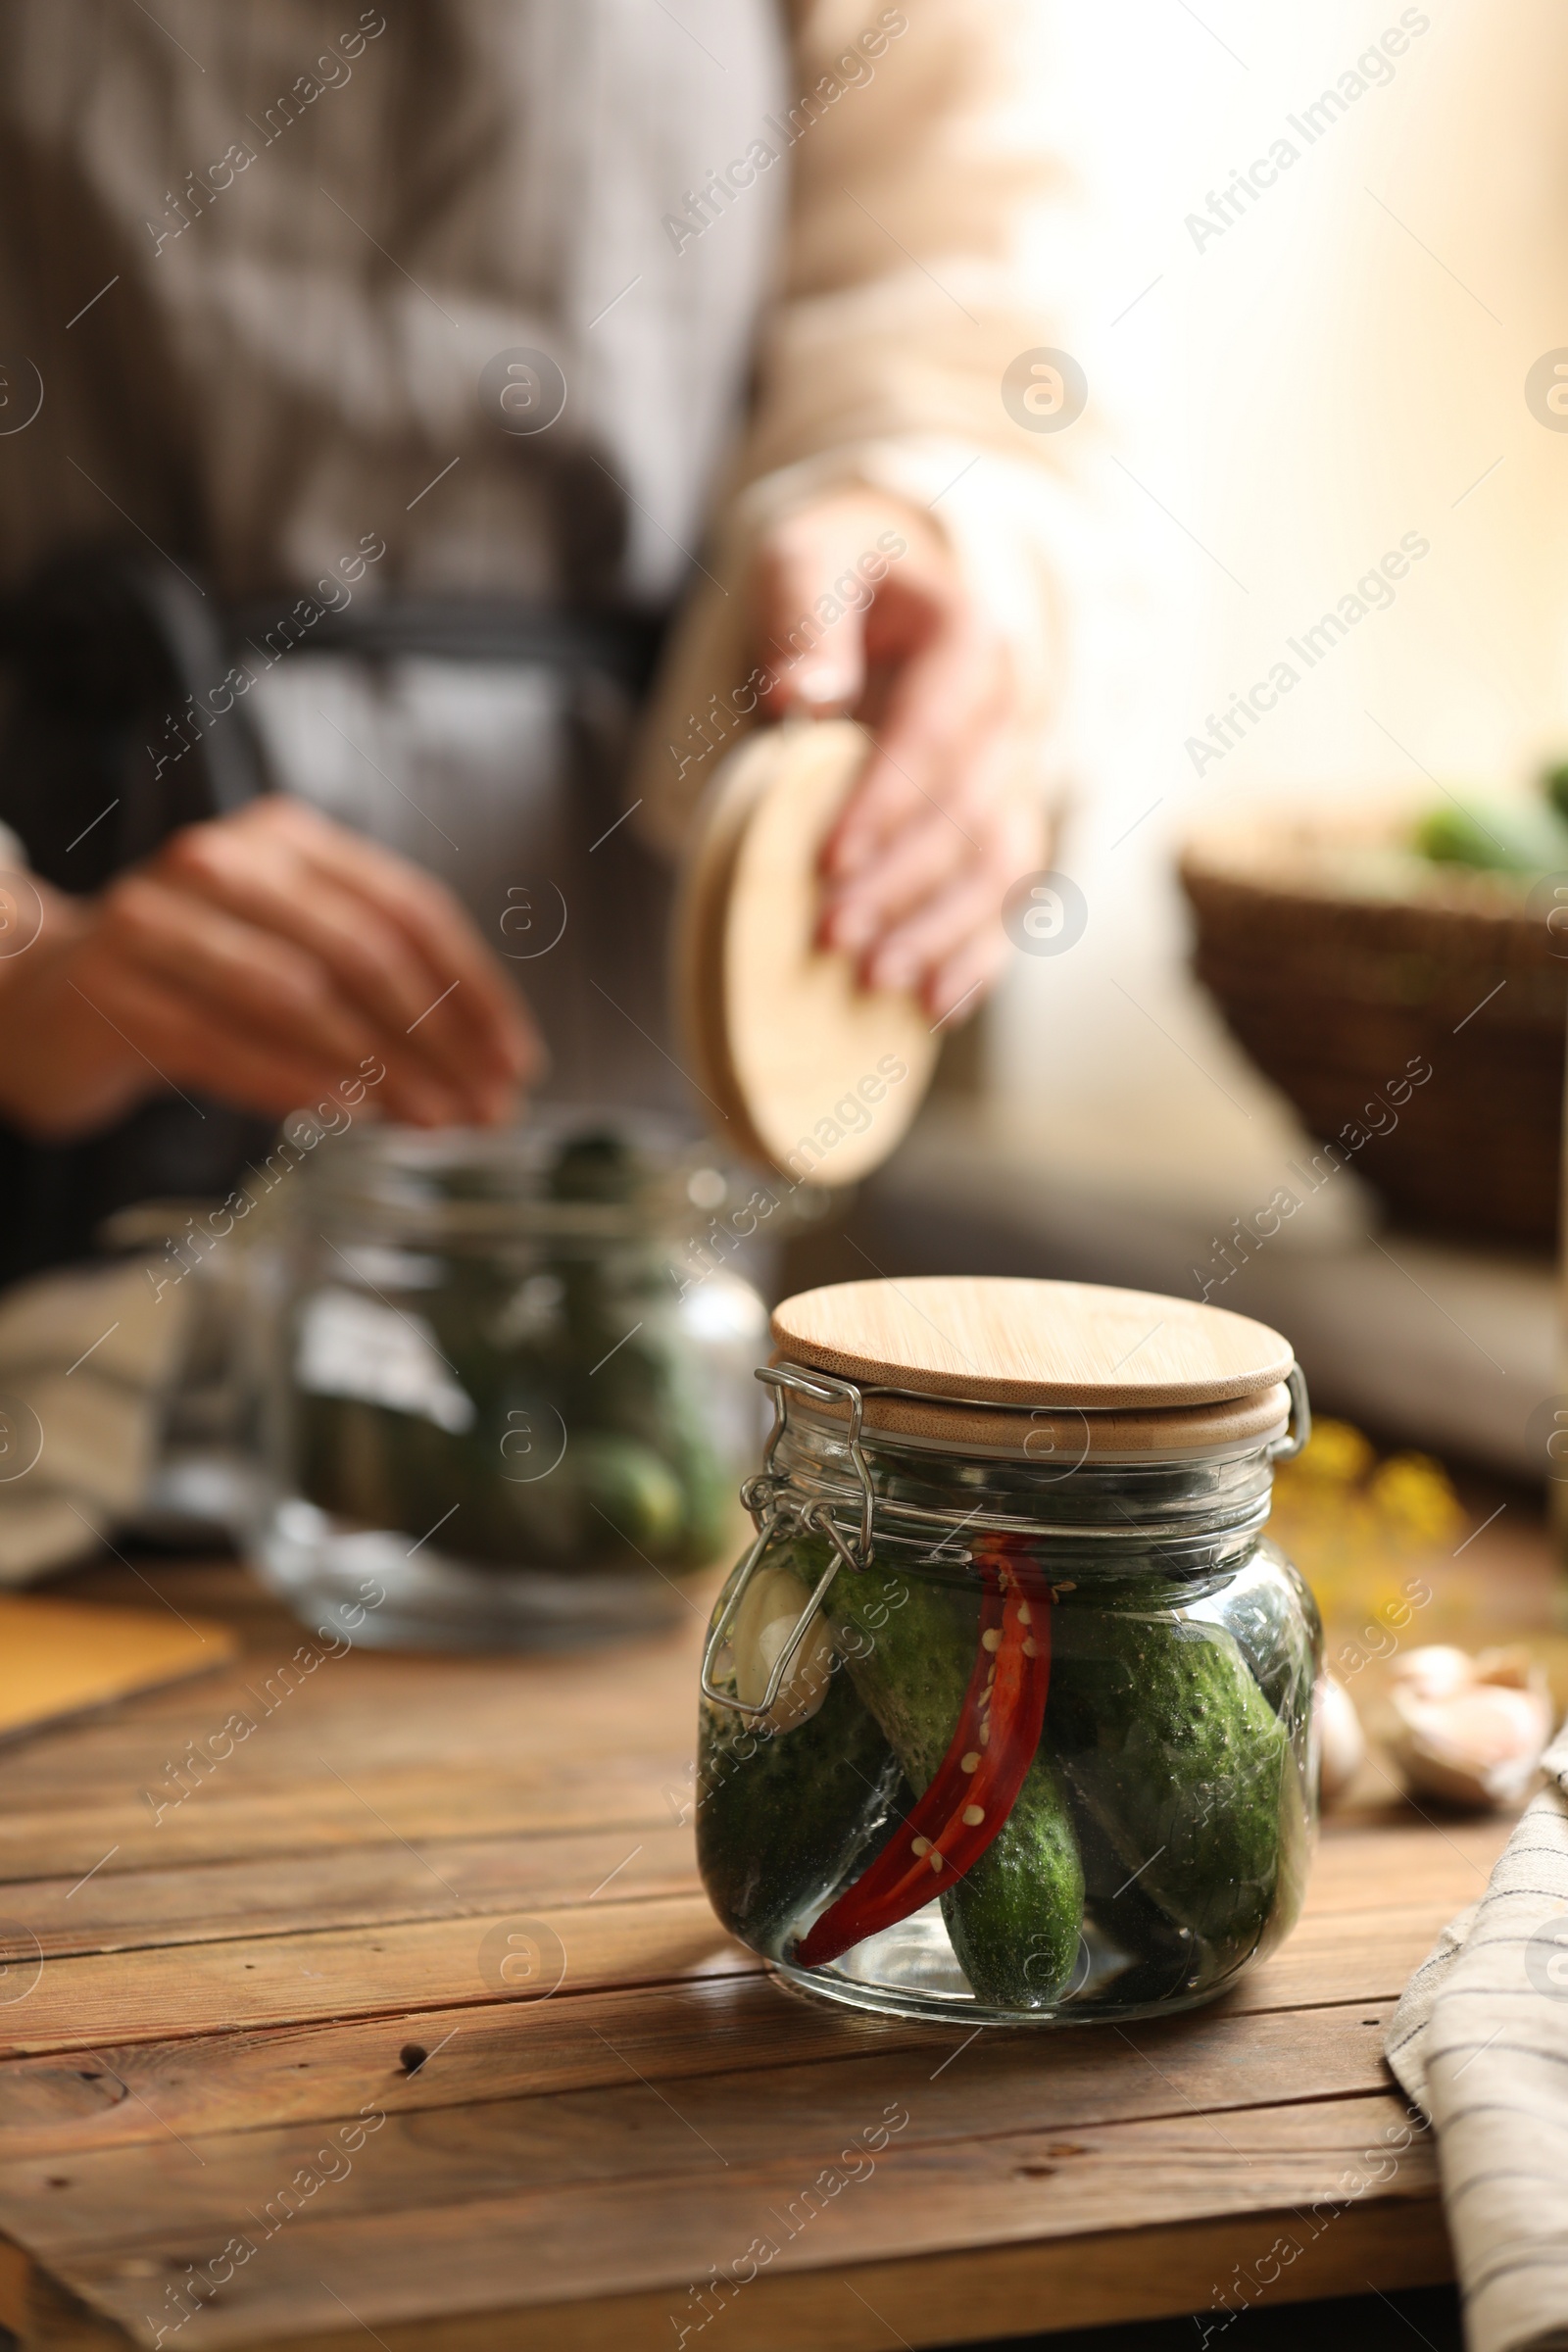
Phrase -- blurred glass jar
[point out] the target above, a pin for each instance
(510, 1391)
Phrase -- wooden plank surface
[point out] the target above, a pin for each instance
(262, 2082)
(514, 2249)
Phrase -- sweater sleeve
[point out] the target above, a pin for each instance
(929, 249)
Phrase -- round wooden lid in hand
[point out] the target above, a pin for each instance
(805, 1069)
(1002, 1340)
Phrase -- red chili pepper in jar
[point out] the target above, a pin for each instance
(976, 1784)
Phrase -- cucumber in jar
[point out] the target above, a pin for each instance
(788, 1809)
(622, 1374)
(1170, 1744)
(586, 1445)
(1016, 1916)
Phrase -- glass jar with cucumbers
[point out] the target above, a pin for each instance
(1007, 1710)
(511, 1389)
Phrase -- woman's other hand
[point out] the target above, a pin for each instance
(263, 959)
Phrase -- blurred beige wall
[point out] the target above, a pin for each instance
(1340, 368)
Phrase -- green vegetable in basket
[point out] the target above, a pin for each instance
(1499, 837)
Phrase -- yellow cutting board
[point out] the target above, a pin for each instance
(58, 1658)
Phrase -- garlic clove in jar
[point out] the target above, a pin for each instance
(1473, 1738)
(1342, 1743)
(763, 1623)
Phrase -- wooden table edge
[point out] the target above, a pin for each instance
(966, 2297)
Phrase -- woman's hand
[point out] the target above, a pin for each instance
(261, 958)
(937, 828)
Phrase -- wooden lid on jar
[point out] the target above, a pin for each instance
(807, 1071)
(1170, 1373)
(1065, 1436)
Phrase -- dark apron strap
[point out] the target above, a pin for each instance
(103, 649)
(623, 646)
(109, 654)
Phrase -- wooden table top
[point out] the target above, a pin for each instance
(410, 2022)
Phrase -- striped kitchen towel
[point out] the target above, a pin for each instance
(1480, 2041)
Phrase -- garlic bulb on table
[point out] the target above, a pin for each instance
(1469, 1730)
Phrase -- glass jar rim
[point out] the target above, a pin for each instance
(398, 1182)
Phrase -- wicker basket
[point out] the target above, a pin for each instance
(1339, 958)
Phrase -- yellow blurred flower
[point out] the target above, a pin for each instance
(1412, 1492)
(1352, 1523)
(1334, 1454)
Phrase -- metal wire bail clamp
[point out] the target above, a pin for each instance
(763, 1498)
(1298, 1428)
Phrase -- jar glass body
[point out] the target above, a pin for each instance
(1161, 1823)
(501, 1412)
